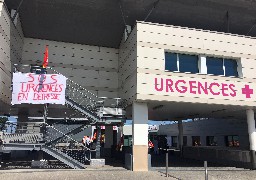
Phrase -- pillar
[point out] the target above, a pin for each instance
(140, 136)
(180, 127)
(252, 135)
(108, 140)
(22, 120)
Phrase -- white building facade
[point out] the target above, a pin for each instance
(164, 72)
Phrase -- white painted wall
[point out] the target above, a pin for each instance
(153, 40)
(93, 67)
(11, 38)
(127, 67)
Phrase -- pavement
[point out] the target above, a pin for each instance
(120, 173)
(179, 169)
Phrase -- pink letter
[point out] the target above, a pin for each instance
(224, 88)
(232, 86)
(23, 88)
(191, 86)
(32, 78)
(210, 87)
(184, 89)
(161, 85)
(169, 84)
(201, 87)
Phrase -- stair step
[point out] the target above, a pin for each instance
(63, 157)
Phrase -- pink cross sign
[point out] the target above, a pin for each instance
(247, 91)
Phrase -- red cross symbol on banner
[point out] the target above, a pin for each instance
(247, 91)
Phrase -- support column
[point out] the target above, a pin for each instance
(108, 140)
(22, 120)
(180, 126)
(140, 136)
(252, 135)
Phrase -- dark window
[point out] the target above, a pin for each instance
(185, 141)
(196, 141)
(214, 66)
(230, 67)
(232, 141)
(171, 62)
(174, 141)
(211, 141)
(127, 140)
(188, 63)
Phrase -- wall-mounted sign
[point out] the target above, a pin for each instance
(199, 87)
(38, 88)
(114, 127)
(153, 128)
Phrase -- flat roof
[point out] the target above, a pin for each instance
(100, 22)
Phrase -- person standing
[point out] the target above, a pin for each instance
(156, 150)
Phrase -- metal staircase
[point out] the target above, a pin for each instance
(70, 133)
(57, 140)
(63, 157)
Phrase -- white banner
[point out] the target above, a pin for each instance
(38, 88)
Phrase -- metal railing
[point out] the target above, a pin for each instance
(72, 147)
(23, 138)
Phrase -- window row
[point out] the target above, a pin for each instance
(190, 63)
(230, 141)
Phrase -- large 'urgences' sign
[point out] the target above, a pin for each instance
(38, 88)
(197, 87)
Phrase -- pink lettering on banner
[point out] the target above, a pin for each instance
(198, 88)
(39, 89)
(22, 96)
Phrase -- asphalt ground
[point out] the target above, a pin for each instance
(179, 169)
(120, 173)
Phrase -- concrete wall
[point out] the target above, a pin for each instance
(153, 40)
(211, 127)
(237, 158)
(127, 67)
(93, 67)
(11, 39)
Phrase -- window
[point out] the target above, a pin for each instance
(232, 141)
(171, 62)
(181, 62)
(188, 63)
(174, 141)
(214, 66)
(230, 67)
(194, 64)
(220, 66)
(127, 140)
(196, 141)
(184, 140)
(211, 141)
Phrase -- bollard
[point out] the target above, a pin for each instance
(205, 168)
(166, 158)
